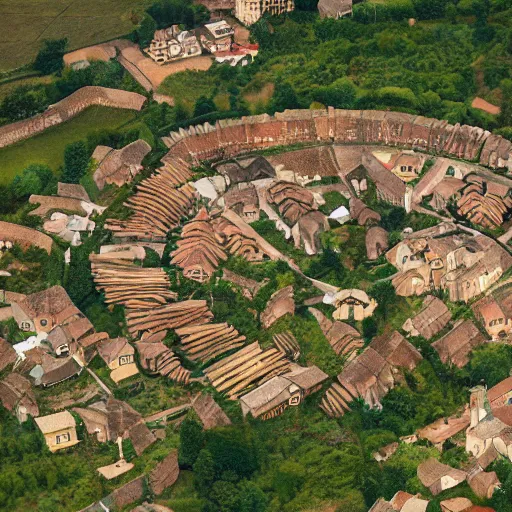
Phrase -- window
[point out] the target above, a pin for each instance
(44, 322)
(125, 359)
(25, 326)
(63, 438)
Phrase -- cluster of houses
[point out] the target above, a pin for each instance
(172, 44)
(487, 425)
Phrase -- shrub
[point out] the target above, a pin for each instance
(50, 57)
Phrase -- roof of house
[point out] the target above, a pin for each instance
(55, 422)
(456, 505)
(209, 412)
(48, 302)
(73, 190)
(500, 389)
(432, 318)
(444, 428)
(7, 354)
(306, 378)
(431, 471)
(483, 483)
(400, 499)
(58, 369)
(110, 349)
(264, 396)
(456, 346)
(16, 389)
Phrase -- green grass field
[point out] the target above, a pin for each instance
(24, 24)
(48, 147)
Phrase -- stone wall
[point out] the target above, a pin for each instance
(233, 137)
(68, 108)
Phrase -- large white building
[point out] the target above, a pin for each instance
(250, 11)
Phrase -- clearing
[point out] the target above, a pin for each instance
(25, 24)
(48, 147)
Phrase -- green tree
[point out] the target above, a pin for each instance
(30, 181)
(76, 161)
(191, 442)
(146, 30)
(490, 363)
(204, 472)
(284, 97)
(50, 58)
(23, 102)
(384, 293)
(340, 94)
(225, 495)
(369, 328)
(288, 480)
(204, 106)
(252, 498)
(505, 117)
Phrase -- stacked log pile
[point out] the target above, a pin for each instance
(336, 401)
(292, 201)
(205, 342)
(342, 337)
(236, 242)
(130, 285)
(158, 205)
(248, 368)
(157, 358)
(199, 251)
(170, 316)
(286, 343)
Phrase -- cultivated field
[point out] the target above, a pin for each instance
(48, 147)
(24, 24)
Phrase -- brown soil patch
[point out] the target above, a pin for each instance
(481, 104)
(154, 73)
(103, 52)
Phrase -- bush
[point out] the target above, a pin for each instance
(76, 161)
(33, 180)
(50, 57)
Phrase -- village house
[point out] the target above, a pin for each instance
(489, 434)
(172, 44)
(59, 430)
(42, 311)
(401, 502)
(250, 11)
(438, 477)
(456, 346)
(217, 36)
(306, 233)
(377, 242)
(443, 257)
(119, 356)
(371, 374)
(351, 305)
(244, 201)
(17, 397)
(433, 317)
(405, 165)
(119, 166)
(495, 312)
(277, 394)
(113, 419)
(444, 428)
